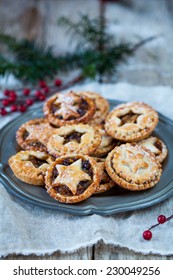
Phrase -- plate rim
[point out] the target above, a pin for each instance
(87, 209)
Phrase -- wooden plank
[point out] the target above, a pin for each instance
(82, 254)
(99, 251)
(109, 252)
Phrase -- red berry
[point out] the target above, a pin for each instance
(12, 93)
(161, 219)
(12, 96)
(46, 90)
(12, 99)
(29, 102)
(22, 108)
(42, 97)
(26, 91)
(147, 234)
(3, 112)
(5, 102)
(13, 108)
(6, 92)
(38, 93)
(42, 84)
(58, 82)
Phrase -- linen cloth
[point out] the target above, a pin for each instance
(26, 229)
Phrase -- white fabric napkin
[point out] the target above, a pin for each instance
(26, 229)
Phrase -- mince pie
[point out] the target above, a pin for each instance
(131, 121)
(106, 145)
(30, 166)
(156, 146)
(106, 183)
(72, 178)
(67, 151)
(102, 107)
(69, 108)
(76, 138)
(34, 134)
(133, 167)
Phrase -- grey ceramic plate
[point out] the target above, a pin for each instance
(114, 201)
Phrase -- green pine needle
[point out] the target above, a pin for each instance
(96, 54)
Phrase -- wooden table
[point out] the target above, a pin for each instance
(99, 251)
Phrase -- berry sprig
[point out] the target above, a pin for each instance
(147, 234)
(15, 102)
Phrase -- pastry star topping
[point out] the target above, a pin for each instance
(67, 111)
(70, 176)
(135, 161)
(42, 132)
(66, 98)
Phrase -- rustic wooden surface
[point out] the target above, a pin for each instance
(99, 251)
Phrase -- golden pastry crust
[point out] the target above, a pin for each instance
(156, 146)
(34, 134)
(30, 166)
(68, 108)
(76, 138)
(130, 122)
(72, 178)
(133, 167)
(106, 183)
(106, 145)
(102, 107)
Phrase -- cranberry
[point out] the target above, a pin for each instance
(3, 112)
(42, 97)
(147, 234)
(22, 108)
(5, 102)
(6, 92)
(12, 93)
(13, 108)
(26, 91)
(29, 102)
(12, 99)
(12, 96)
(42, 84)
(161, 219)
(38, 93)
(58, 82)
(46, 90)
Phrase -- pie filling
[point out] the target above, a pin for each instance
(158, 145)
(54, 108)
(36, 144)
(129, 118)
(73, 136)
(30, 142)
(36, 161)
(106, 179)
(83, 107)
(103, 122)
(25, 135)
(82, 186)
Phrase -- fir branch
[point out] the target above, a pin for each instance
(96, 53)
(30, 61)
(87, 32)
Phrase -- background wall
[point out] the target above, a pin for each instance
(129, 20)
(36, 19)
